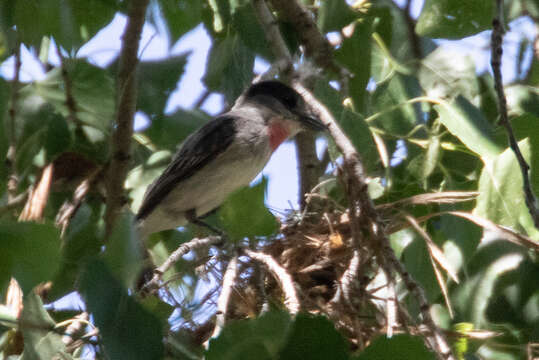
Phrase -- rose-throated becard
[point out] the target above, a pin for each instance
(224, 155)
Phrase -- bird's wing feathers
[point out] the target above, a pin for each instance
(198, 149)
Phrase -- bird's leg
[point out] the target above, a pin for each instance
(190, 215)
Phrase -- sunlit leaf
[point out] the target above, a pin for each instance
(467, 123)
(454, 19)
(333, 15)
(181, 16)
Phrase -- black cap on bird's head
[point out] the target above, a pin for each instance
(272, 93)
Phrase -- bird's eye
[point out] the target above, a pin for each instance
(290, 101)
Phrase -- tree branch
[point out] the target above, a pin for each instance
(229, 280)
(359, 200)
(282, 276)
(70, 102)
(316, 45)
(13, 179)
(125, 110)
(196, 243)
(496, 62)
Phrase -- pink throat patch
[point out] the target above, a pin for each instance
(277, 134)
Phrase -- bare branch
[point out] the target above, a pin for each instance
(229, 280)
(348, 277)
(196, 243)
(125, 110)
(69, 208)
(496, 63)
(70, 100)
(282, 276)
(13, 179)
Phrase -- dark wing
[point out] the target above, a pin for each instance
(198, 150)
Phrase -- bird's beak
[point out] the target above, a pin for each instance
(310, 121)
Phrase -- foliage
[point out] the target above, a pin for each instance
(407, 95)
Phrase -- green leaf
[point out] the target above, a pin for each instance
(124, 250)
(92, 89)
(395, 92)
(40, 341)
(355, 54)
(468, 124)
(69, 22)
(522, 99)
(57, 137)
(260, 338)
(167, 131)
(358, 131)
(333, 15)
(447, 73)
(244, 214)
(139, 178)
(127, 330)
(399, 347)
(314, 337)
(30, 253)
(417, 261)
(229, 68)
(156, 80)
(454, 19)
(492, 260)
(181, 16)
(246, 25)
(81, 242)
(501, 197)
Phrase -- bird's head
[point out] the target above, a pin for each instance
(283, 101)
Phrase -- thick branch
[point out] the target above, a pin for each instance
(359, 199)
(496, 63)
(125, 110)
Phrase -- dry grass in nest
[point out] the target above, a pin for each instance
(316, 255)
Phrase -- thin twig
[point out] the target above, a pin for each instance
(69, 208)
(196, 243)
(13, 179)
(125, 111)
(229, 280)
(16, 201)
(68, 87)
(348, 277)
(496, 63)
(282, 276)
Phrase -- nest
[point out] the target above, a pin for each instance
(317, 256)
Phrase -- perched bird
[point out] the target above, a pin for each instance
(224, 155)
